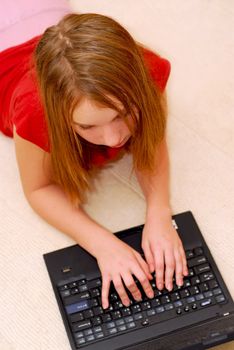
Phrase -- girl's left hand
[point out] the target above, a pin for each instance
(163, 249)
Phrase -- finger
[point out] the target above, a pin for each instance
(142, 278)
(149, 257)
(170, 268)
(105, 291)
(117, 281)
(143, 265)
(184, 261)
(132, 287)
(159, 268)
(179, 268)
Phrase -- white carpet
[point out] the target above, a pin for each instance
(197, 38)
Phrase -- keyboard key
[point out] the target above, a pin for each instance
(117, 305)
(199, 296)
(186, 308)
(126, 311)
(168, 307)
(113, 297)
(98, 310)
(204, 287)
(206, 276)
(116, 314)
(128, 319)
(90, 337)
(119, 322)
(79, 335)
(135, 308)
(190, 300)
(81, 325)
(106, 318)
(64, 287)
(110, 325)
(83, 288)
(111, 331)
(195, 280)
(65, 293)
(159, 309)
(178, 303)
(131, 325)
(175, 296)
(88, 313)
(94, 283)
(155, 302)
(190, 272)
(187, 283)
(206, 302)
(72, 299)
(201, 268)
(74, 291)
(88, 331)
(208, 294)
(165, 299)
(145, 305)
(194, 290)
(97, 329)
(99, 335)
(220, 298)
(189, 254)
(122, 328)
(81, 281)
(73, 284)
(80, 341)
(213, 284)
(151, 312)
(217, 291)
(73, 308)
(198, 251)
(196, 261)
(184, 293)
(96, 320)
(76, 317)
(138, 316)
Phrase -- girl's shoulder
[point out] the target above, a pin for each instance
(159, 67)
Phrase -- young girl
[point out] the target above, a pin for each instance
(74, 99)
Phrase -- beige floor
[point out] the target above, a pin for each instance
(197, 37)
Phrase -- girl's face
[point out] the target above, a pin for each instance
(100, 125)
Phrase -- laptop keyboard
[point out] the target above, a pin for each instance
(90, 323)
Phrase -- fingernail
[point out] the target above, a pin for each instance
(151, 294)
(160, 286)
(169, 286)
(104, 305)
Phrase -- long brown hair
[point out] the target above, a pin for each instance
(92, 55)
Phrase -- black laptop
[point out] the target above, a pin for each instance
(198, 315)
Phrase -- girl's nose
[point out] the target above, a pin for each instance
(111, 136)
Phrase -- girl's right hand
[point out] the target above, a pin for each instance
(117, 263)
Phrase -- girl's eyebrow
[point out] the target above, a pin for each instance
(88, 125)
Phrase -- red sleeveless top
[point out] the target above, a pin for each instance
(20, 104)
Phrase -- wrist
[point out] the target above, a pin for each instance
(155, 213)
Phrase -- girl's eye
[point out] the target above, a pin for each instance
(86, 127)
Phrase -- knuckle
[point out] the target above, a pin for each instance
(170, 265)
(159, 266)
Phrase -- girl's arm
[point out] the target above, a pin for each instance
(50, 201)
(160, 241)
